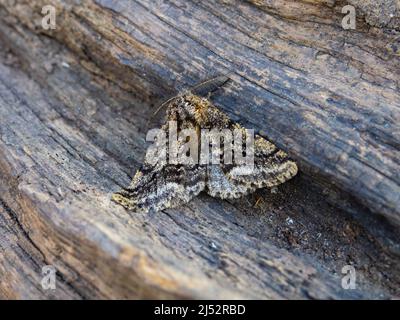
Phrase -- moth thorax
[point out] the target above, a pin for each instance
(201, 109)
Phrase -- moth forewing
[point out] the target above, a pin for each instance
(172, 142)
(188, 147)
(157, 151)
(216, 146)
(244, 152)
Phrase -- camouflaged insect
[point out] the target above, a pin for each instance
(159, 185)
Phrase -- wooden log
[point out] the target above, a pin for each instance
(21, 264)
(74, 104)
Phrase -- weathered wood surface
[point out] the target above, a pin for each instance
(74, 103)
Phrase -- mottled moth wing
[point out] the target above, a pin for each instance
(162, 185)
(272, 167)
(165, 187)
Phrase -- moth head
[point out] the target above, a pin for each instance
(200, 108)
(189, 108)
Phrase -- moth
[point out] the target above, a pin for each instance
(161, 183)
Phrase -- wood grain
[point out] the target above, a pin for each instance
(74, 106)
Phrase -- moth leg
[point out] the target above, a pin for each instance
(258, 201)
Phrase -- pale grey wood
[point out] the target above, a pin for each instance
(74, 106)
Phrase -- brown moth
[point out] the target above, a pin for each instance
(161, 183)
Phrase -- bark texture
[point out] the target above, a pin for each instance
(74, 109)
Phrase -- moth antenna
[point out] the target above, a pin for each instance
(163, 105)
(211, 85)
(160, 107)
